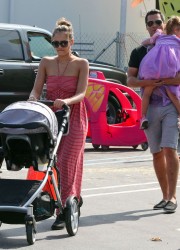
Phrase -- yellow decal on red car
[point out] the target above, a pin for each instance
(95, 95)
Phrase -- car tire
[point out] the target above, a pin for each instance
(113, 109)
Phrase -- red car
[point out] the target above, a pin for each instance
(114, 112)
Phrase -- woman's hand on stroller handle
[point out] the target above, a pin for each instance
(65, 107)
(51, 103)
(32, 98)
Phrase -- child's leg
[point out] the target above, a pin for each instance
(176, 103)
(145, 102)
(174, 100)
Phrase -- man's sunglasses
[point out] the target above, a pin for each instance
(63, 44)
(157, 22)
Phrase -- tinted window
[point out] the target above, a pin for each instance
(10, 45)
(40, 45)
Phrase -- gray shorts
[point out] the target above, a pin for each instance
(163, 130)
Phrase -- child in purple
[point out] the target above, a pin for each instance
(161, 62)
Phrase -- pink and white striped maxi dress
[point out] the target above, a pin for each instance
(70, 153)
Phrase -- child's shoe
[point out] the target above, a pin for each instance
(144, 123)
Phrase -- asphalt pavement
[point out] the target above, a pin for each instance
(119, 191)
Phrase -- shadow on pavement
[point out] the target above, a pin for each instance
(112, 218)
(100, 150)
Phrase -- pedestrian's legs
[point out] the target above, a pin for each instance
(172, 163)
(161, 172)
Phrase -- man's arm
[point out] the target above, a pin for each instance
(134, 63)
(134, 82)
(172, 81)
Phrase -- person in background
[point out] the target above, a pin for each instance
(162, 61)
(162, 132)
(66, 78)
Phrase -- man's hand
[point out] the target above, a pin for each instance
(171, 81)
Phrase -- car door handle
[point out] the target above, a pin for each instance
(1, 72)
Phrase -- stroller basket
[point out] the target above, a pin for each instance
(18, 193)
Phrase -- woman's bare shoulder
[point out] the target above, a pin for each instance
(80, 61)
(48, 60)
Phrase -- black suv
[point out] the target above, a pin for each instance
(21, 49)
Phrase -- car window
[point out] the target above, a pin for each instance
(40, 45)
(10, 45)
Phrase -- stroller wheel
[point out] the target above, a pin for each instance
(30, 233)
(72, 216)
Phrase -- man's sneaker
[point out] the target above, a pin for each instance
(144, 123)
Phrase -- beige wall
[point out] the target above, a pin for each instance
(135, 16)
(87, 16)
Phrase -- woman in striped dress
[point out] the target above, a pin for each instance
(66, 77)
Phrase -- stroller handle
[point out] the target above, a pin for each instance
(62, 115)
(51, 103)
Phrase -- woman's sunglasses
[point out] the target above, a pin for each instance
(63, 44)
(157, 22)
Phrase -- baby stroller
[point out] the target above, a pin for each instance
(30, 134)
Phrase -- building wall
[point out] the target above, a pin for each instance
(135, 16)
(96, 24)
(87, 16)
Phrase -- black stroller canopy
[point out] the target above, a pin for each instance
(28, 117)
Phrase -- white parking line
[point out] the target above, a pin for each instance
(119, 186)
(117, 160)
(122, 192)
(84, 190)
